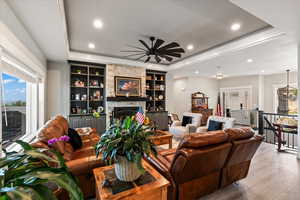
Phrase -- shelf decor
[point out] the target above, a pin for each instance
(87, 88)
(155, 91)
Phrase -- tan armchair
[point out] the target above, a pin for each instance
(179, 131)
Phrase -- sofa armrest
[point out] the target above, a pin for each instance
(163, 170)
(176, 123)
(201, 129)
(191, 128)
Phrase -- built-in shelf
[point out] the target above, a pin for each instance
(77, 87)
(90, 74)
(79, 74)
(155, 87)
(127, 99)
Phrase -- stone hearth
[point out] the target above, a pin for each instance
(113, 70)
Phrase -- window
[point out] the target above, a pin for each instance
(19, 103)
(13, 108)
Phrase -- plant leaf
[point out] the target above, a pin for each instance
(24, 145)
(63, 180)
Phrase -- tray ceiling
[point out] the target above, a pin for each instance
(203, 23)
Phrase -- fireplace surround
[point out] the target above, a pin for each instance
(121, 112)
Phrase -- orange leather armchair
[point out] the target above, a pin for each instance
(81, 162)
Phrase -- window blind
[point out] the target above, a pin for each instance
(12, 66)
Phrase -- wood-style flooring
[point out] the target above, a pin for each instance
(272, 176)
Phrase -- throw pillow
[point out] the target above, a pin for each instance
(214, 125)
(75, 139)
(186, 120)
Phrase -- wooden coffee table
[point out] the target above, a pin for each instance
(162, 137)
(150, 186)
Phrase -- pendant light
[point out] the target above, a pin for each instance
(219, 74)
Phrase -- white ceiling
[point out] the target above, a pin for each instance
(272, 57)
(45, 21)
(203, 23)
(283, 15)
(42, 18)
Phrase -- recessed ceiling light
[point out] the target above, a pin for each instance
(235, 27)
(98, 24)
(249, 60)
(197, 71)
(262, 71)
(92, 46)
(190, 47)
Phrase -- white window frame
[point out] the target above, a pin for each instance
(31, 115)
(32, 111)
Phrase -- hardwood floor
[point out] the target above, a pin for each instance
(272, 176)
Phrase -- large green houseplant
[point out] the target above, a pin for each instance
(124, 143)
(25, 175)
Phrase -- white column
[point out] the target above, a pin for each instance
(261, 95)
(298, 59)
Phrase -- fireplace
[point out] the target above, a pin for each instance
(121, 112)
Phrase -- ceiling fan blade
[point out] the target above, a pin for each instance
(171, 45)
(158, 43)
(140, 57)
(134, 54)
(137, 47)
(173, 54)
(157, 59)
(168, 58)
(179, 50)
(147, 60)
(145, 45)
(166, 51)
(133, 51)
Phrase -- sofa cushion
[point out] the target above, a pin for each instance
(196, 118)
(186, 120)
(197, 140)
(75, 139)
(214, 125)
(239, 133)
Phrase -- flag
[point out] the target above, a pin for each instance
(139, 116)
(219, 108)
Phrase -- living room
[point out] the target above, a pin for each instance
(149, 99)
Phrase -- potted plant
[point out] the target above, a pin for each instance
(125, 143)
(25, 175)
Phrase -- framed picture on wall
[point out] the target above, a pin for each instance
(127, 86)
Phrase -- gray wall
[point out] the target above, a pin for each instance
(267, 85)
(243, 81)
(179, 92)
(58, 92)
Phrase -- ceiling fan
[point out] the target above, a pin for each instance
(156, 50)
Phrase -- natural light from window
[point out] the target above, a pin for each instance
(14, 109)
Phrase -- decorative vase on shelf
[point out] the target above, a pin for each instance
(126, 171)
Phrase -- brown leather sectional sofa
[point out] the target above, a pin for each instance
(205, 162)
(81, 162)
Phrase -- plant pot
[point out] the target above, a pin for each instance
(126, 171)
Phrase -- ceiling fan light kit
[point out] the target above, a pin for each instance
(156, 51)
